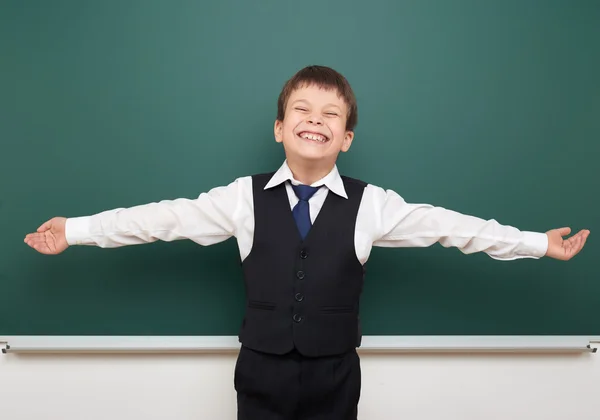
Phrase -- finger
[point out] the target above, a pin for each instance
(33, 243)
(581, 241)
(34, 236)
(44, 227)
(576, 246)
(574, 238)
(37, 240)
(564, 231)
(577, 243)
(585, 236)
(582, 234)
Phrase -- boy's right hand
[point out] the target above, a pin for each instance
(50, 238)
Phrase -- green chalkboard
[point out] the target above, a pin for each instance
(487, 108)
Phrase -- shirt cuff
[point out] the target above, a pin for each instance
(534, 244)
(77, 231)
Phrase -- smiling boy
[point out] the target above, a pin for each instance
(304, 234)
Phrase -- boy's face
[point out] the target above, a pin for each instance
(314, 126)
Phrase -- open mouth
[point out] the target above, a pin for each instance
(312, 136)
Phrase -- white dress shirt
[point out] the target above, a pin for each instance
(384, 219)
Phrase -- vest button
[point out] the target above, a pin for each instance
(297, 317)
(303, 254)
(300, 274)
(299, 297)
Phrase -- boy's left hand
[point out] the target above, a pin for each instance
(565, 249)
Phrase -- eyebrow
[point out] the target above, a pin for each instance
(326, 105)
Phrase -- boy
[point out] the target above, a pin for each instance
(303, 273)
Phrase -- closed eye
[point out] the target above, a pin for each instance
(300, 109)
(331, 113)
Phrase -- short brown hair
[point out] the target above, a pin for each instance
(323, 77)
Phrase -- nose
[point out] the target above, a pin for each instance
(314, 119)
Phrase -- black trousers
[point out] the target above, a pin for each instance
(294, 387)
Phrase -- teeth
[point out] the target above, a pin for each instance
(315, 137)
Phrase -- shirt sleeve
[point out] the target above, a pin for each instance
(206, 220)
(401, 224)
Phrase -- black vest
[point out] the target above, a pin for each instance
(303, 295)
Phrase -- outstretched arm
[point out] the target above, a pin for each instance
(207, 220)
(401, 224)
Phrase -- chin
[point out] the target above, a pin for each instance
(310, 153)
(308, 157)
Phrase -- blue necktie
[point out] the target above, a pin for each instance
(301, 210)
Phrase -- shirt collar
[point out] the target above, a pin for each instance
(333, 180)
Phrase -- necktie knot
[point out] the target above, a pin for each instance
(304, 192)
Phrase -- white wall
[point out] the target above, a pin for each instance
(395, 386)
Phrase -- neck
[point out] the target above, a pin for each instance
(309, 172)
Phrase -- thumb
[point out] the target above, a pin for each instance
(564, 231)
(45, 226)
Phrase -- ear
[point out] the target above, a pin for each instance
(348, 137)
(278, 130)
